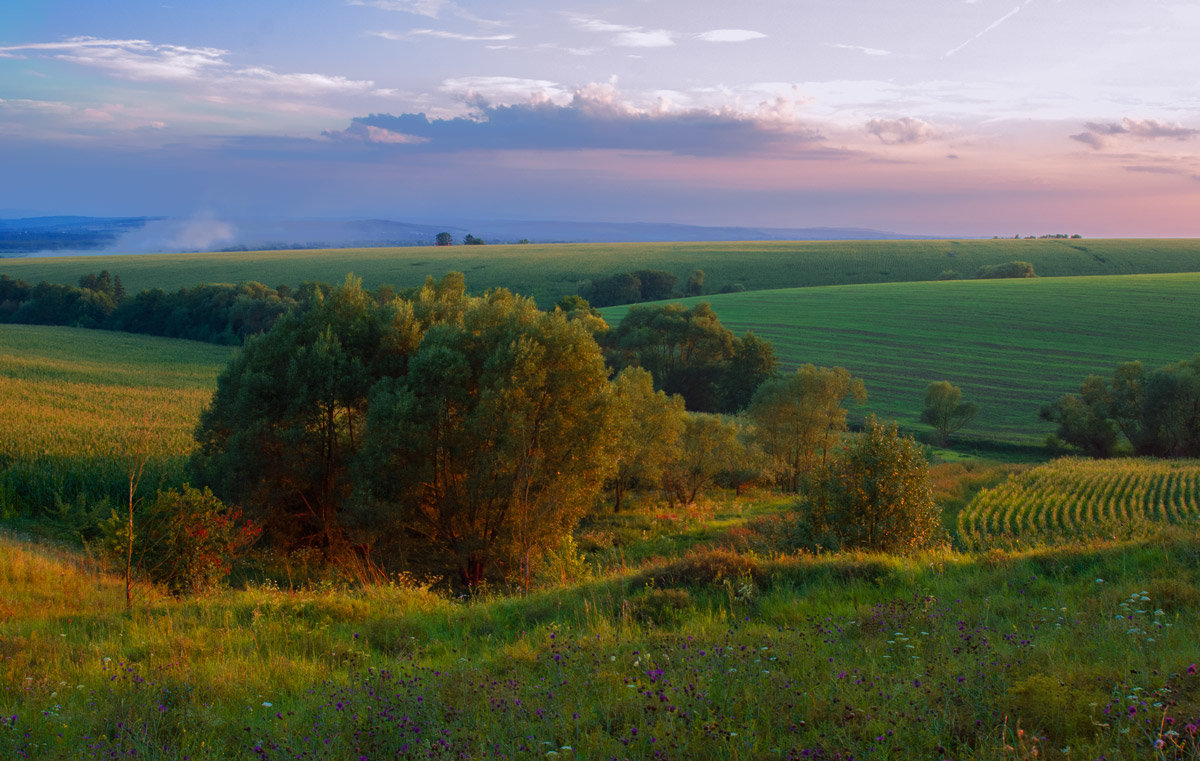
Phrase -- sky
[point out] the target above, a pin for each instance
(947, 117)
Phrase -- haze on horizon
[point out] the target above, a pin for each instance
(958, 117)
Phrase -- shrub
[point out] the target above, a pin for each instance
(877, 496)
(1008, 269)
(186, 539)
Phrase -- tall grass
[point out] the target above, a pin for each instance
(940, 655)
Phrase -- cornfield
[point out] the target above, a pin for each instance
(1074, 498)
(78, 408)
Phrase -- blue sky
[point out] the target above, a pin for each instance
(972, 117)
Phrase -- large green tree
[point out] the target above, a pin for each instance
(799, 418)
(709, 448)
(646, 431)
(689, 352)
(492, 445)
(945, 410)
(288, 415)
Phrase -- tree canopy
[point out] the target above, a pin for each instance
(800, 417)
(689, 352)
(877, 495)
(945, 410)
(491, 446)
(1155, 413)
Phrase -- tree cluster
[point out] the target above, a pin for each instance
(448, 433)
(1154, 413)
(215, 313)
(1007, 269)
(639, 286)
(690, 353)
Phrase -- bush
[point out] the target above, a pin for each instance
(186, 539)
(876, 496)
(1008, 269)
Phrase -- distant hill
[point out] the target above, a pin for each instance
(32, 235)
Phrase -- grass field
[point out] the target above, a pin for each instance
(72, 402)
(549, 271)
(937, 656)
(1011, 345)
(1073, 499)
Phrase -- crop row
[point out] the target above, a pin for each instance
(1078, 498)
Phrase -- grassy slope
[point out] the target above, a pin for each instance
(1012, 345)
(879, 656)
(549, 271)
(71, 401)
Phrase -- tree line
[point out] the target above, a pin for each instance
(1154, 413)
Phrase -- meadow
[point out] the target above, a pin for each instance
(549, 271)
(1011, 345)
(1076, 499)
(78, 406)
(1082, 652)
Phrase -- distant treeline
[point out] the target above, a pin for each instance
(216, 313)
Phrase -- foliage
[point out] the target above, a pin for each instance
(491, 445)
(709, 448)
(471, 240)
(1073, 497)
(218, 313)
(1008, 269)
(629, 287)
(877, 495)
(185, 539)
(288, 414)
(646, 431)
(444, 239)
(690, 353)
(695, 284)
(1157, 413)
(799, 418)
(945, 410)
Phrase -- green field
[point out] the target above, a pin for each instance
(1011, 345)
(72, 402)
(549, 271)
(1073, 499)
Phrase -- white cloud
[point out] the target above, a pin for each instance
(625, 36)
(859, 49)
(903, 131)
(658, 38)
(730, 35)
(597, 25)
(506, 90)
(381, 135)
(430, 8)
(444, 35)
(143, 61)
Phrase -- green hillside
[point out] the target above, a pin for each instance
(551, 270)
(1012, 345)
